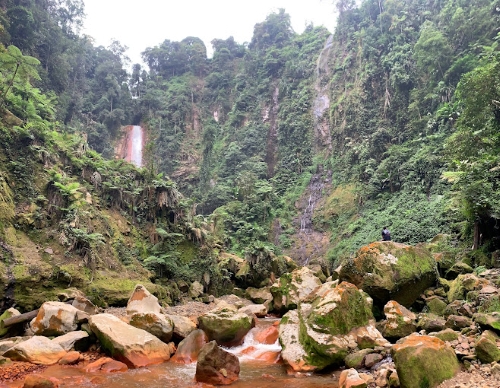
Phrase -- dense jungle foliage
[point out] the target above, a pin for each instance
(391, 121)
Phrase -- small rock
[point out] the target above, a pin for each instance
(38, 381)
(216, 366)
(107, 365)
(71, 358)
(372, 359)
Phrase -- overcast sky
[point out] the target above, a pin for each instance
(146, 23)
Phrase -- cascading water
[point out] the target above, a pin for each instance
(134, 146)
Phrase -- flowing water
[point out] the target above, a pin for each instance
(135, 146)
(256, 372)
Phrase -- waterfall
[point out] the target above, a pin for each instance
(134, 144)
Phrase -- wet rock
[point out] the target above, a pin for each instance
(267, 336)
(76, 340)
(291, 289)
(423, 361)
(349, 378)
(157, 324)
(399, 322)
(55, 318)
(134, 347)
(225, 325)
(182, 326)
(195, 290)
(71, 358)
(37, 350)
(486, 347)
(189, 348)
(293, 352)
(39, 381)
(259, 295)
(107, 365)
(142, 301)
(388, 270)
(216, 366)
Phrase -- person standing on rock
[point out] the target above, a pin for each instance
(386, 234)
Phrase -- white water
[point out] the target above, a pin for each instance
(257, 348)
(136, 144)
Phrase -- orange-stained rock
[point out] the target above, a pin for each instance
(38, 381)
(267, 336)
(142, 301)
(350, 378)
(423, 360)
(107, 365)
(268, 356)
(37, 350)
(189, 348)
(55, 318)
(134, 347)
(71, 358)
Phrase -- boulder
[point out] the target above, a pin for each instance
(267, 336)
(356, 360)
(488, 321)
(83, 304)
(259, 295)
(487, 349)
(259, 310)
(423, 361)
(447, 335)
(134, 347)
(436, 305)
(368, 337)
(458, 307)
(71, 358)
(459, 268)
(11, 312)
(6, 344)
(464, 284)
(293, 288)
(293, 352)
(350, 378)
(399, 322)
(39, 381)
(216, 366)
(225, 325)
(76, 340)
(159, 325)
(195, 290)
(55, 318)
(142, 301)
(389, 270)
(37, 350)
(458, 322)
(430, 322)
(189, 348)
(182, 326)
(107, 365)
(372, 359)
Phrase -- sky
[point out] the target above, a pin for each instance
(141, 24)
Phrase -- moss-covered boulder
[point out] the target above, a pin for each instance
(5, 315)
(399, 321)
(446, 335)
(436, 305)
(430, 322)
(459, 268)
(293, 288)
(292, 351)
(338, 319)
(391, 271)
(424, 361)
(463, 284)
(489, 321)
(487, 349)
(225, 325)
(159, 325)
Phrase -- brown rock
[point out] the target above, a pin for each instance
(142, 301)
(371, 359)
(38, 381)
(189, 348)
(216, 366)
(350, 378)
(71, 358)
(107, 365)
(267, 336)
(54, 318)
